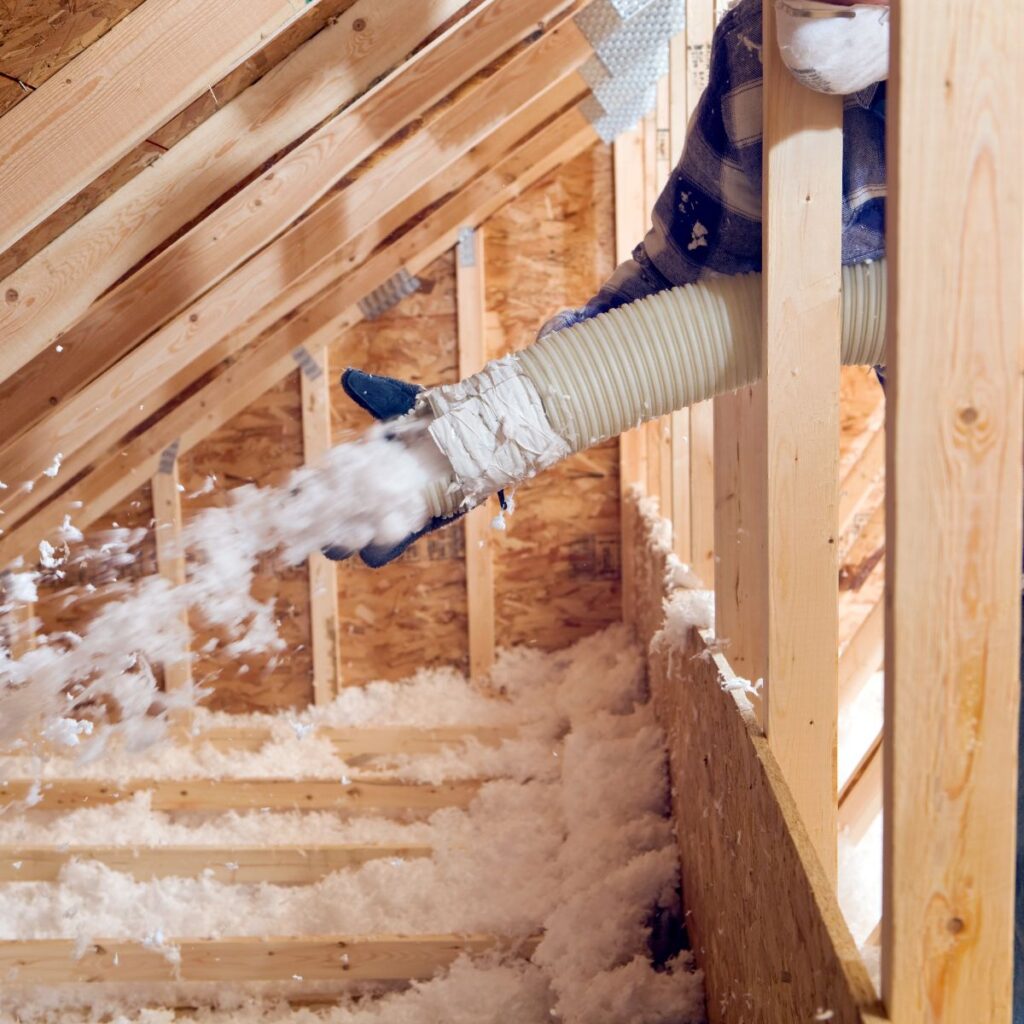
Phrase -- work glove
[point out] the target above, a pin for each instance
(384, 398)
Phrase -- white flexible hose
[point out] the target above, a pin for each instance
(581, 385)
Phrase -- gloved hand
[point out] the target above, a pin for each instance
(384, 398)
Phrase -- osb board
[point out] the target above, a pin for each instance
(861, 412)
(411, 613)
(763, 920)
(557, 566)
(261, 445)
(67, 604)
(163, 138)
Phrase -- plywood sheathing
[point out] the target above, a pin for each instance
(762, 915)
(413, 612)
(557, 565)
(66, 603)
(261, 445)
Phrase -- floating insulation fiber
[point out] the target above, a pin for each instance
(581, 854)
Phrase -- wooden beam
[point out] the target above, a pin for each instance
(862, 656)
(470, 309)
(859, 480)
(250, 958)
(323, 573)
(630, 225)
(56, 287)
(700, 25)
(358, 796)
(803, 163)
(282, 275)
(269, 360)
(662, 428)
(650, 432)
(231, 865)
(860, 800)
(762, 915)
(955, 235)
(117, 91)
(170, 554)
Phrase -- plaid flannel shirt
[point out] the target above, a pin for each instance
(707, 220)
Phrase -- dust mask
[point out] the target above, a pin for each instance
(833, 49)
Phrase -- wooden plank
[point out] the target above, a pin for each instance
(363, 743)
(358, 796)
(859, 481)
(56, 287)
(250, 958)
(231, 865)
(470, 308)
(319, 324)
(113, 94)
(863, 656)
(282, 274)
(762, 915)
(630, 225)
(953, 508)
(678, 505)
(860, 801)
(739, 456)
(170, 554)
(323, 574)
(700, 24)
(803, 164)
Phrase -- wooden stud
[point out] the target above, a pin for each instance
(796, 527)
(267, 362)
(117, 91)
(17, 623)
(630, 225)
(170, 554)
(700, 22)
(74, 274)
(323, 574)
(216, 795)
(470, 311)
(650, 431)
(661, 434)
(282, 273)
(955, 235)
(863, 655)
(230, 865)
(250, 958)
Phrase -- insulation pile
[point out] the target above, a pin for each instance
(570, 840)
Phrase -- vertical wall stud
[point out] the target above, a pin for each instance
(700, 23)
(170, 556)
(470, 306)
(803, 160)
(953, 507)
(323, 573)
(630, 225)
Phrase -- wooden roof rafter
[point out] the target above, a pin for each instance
(281, 276)
(269, 358)
(312, 89)
(132, 80)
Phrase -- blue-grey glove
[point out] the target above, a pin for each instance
(384, 398)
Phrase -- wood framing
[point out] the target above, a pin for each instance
(953, 508)
(231, 865)
(170, 553)
(281, 275)
(132, 80)
(202, 795)
(469, 287)
(55, 287)
(315, 387)
(796, 527)
(268, 361)
(255, 958)
(762, 914)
